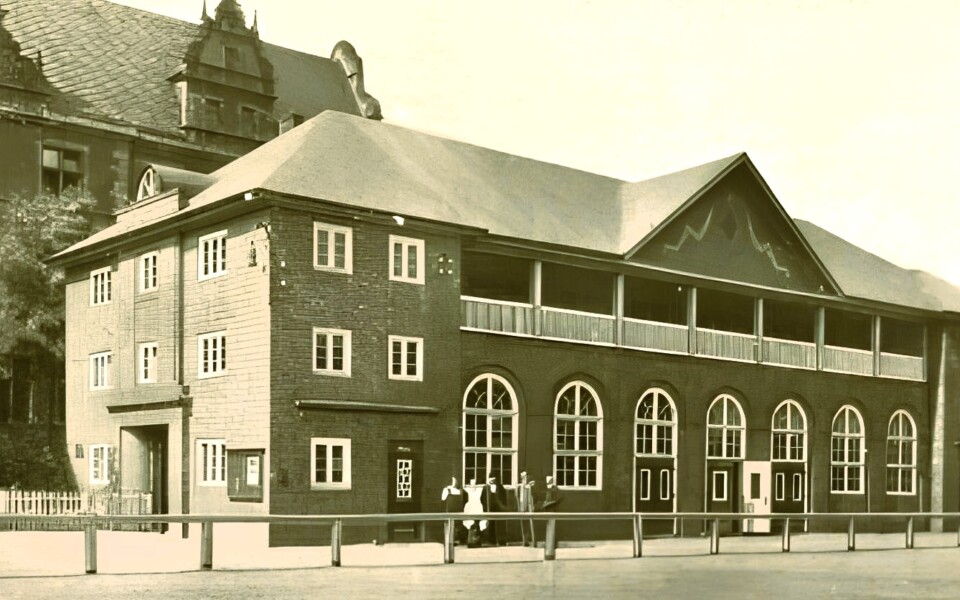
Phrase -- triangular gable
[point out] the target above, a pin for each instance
(734, 229)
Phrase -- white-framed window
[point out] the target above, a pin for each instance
(666, 491)
(406, 259)
(725, 428)
(332, 248)
(147, 265)
(719, 486)
(100, 370)
(847, 452)
(779, 486)
(211, 354)
(212, 462)
(644, 484)
(101, 289)
(147, 363)
(99, 464)
(490, 418)
(901, 454)
(789, 429)
(655, 424)
(330, 464)
(331, 351)
(212, 255)
(578, 437)
(406, 358)
(797, 487)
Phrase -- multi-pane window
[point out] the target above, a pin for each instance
(847, 452)
(333, 247)
(212, 462)
(101, 289)
(147, 363)
(489, 430)
(578, 437)
(61, 169)
(655, 424)
(329, 463)
(789, 433)
(901, 454)
(331, 351)
(212, 255)
(100, 370)
(99, 464)
(406, 259)
(725, 429)
(406, 358)
(148, 272)
(211, 354)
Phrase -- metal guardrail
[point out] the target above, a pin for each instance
(90, 523)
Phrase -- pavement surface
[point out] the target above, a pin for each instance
(148, 565)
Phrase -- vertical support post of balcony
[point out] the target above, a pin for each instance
(692, 321)
(875, 339)
(206, 546)
(819, 335)
(785, 542)
(448, 536)
(90, 546)
(536, 295)
(851, 535)
(618, 295)
(336, 531)
(715, 537)
(550, 543)
(758, 328)
(637, 536)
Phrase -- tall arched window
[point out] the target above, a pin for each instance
(725, 428)
(847, 452)
(901, 454)
(655, 424)
(789, 429)
(578, 437)
(489, 429)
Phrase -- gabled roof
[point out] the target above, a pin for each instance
(113, 61)
(355, 162)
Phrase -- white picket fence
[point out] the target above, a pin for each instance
(29, 502)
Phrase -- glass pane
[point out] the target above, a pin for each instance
(780, 419)
(665, 439)
(645, 409)
(501, 400)
(567, 403)
(336, 466)
(588, 435)
(412, 358)
(323, 248)
(339, 250)
(337, 353)
(588, 407)
(796, 419)
(644, 438)
(715, 442)
(733, 414)
(716, 414)
(476, 431)
(321, 351)
(565, 470)
(565, 439)
(397, 259)
(477, 396)
(501, 432)
(396, 366)
(665, 411)
(412, 261)
(853, 422)
(320, 453)
(51, 158)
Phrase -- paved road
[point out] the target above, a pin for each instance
(819, 567)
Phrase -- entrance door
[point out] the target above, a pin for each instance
(654, 492)
(723, 491)
(789, 491)
(405, 482)
(756, 495)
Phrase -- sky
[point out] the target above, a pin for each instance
(850, 109)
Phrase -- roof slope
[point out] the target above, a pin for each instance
(113, 61)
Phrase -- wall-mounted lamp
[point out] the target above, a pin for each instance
(445, 265)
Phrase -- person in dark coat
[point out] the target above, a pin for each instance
(552, 496)
(454, 499)
(494, 500)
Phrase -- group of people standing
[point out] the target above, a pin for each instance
(491, 497)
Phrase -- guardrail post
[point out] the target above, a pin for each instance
(637, 536)
(90, 546)
(448, 536)
(851, 536)
(715, 537)
(550, 544)
(335, 532)
(785, 542)
(206, 546)
(910, 533)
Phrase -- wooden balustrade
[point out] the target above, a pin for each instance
(901, 366)
(789, 353)
(650, 335)
(727, 344)
(580, 326)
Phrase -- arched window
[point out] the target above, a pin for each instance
(578, 437)
(725, 428)
(847, 452)
(655, 425)
(789, 433)
(489, 430)
(901, 454)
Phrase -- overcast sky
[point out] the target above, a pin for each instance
(850, 109)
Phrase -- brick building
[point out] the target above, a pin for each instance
(92, 92)
(342, 319)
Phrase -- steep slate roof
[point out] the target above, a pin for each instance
(361, 163)
(113, 61)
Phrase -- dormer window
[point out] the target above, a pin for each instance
(231, 58)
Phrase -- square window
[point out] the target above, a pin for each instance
(211, 354)
(406, 259)
(101, 286)
(211, 462)
(406, 358)
(147, 366)
(148, 272)
(99, 464)
(100, 370)
(61, 169)
(330, 464)
(212, 255)
(332, 248)
(331, 351)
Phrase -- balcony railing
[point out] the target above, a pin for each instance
(497, 315)
(650, 335)
(847, 360)
(576, 325)
(727, 344)
(789, 353)
(902, 366)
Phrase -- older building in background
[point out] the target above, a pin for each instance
(341, 320)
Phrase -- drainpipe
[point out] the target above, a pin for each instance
(937, 442)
